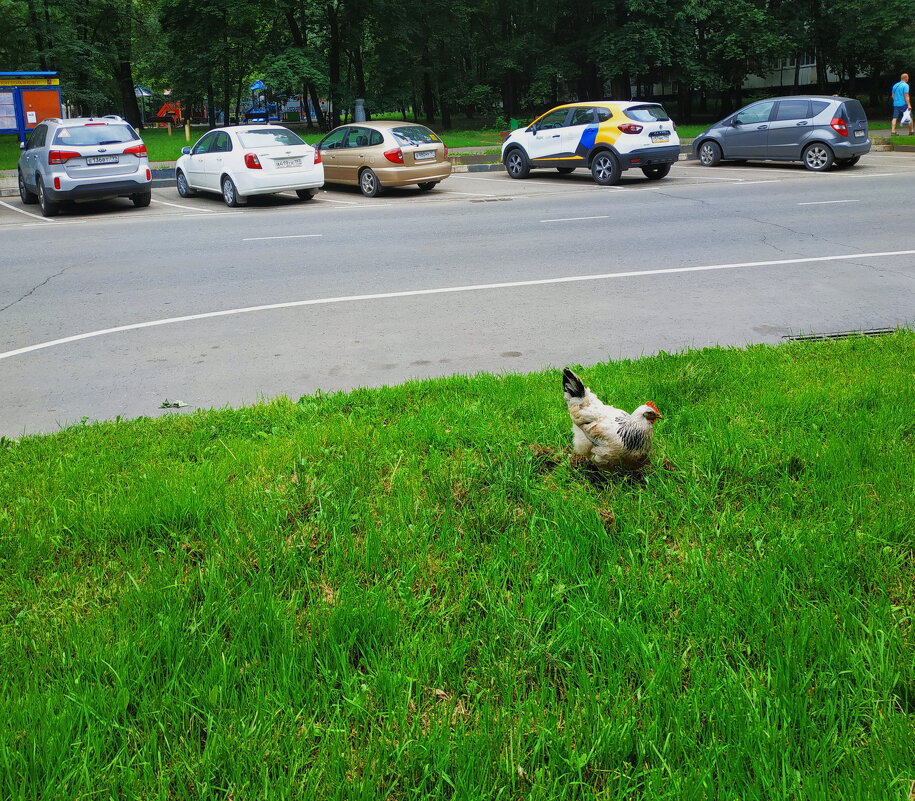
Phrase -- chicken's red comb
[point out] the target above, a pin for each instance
(651, 404)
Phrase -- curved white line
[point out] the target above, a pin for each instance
(447, 290)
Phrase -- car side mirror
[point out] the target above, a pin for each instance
(185, 151)
(22, 145)
(532, 129)
(736, 122)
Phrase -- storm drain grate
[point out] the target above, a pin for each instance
(871, 332)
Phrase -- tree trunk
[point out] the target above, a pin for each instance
(428, 98)
(316, 103)
(333, 56)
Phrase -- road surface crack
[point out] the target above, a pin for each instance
(35, 289)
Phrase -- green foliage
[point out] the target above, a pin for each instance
(414, 592)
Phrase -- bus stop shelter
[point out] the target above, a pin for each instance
(27, 98)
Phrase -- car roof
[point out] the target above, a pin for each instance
(616, 103)
(383, 125)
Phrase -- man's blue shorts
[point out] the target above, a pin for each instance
(898, 111)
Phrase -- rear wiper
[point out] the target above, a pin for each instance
(111, 142)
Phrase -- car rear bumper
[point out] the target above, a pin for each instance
(257, 182)
(417, 174)
(99, 189)
(649, 156)
(845, 150)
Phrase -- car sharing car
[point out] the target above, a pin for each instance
(85, 158)
(819, 131)
(382, 153)
(244, 160)
(606, 137)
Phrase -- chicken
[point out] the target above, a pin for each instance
(608, 438)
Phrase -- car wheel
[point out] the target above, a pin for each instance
(817, 157)
(606, 169)
(656, 172)
(516, 163)
(184, 188)
(28, 198)
(230, 193)
(306, 194)
(565, 170)
(848, 162)
(710, 154)
(368, 183)
(142, 200)
(427, 185)
(48, 207)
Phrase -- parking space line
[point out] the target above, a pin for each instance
(27, 213)
(853, 257)
(178, 206)
(826, 202)
(573, 219)
(291, 236)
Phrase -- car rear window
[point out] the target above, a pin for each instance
(413, 135)
(854, 111)
(647, 113)
(269, 137)
(95, 134)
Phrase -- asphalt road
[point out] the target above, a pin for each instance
(108, 310)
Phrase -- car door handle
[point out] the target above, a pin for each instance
(802, 122)
(555, 136)
(761, 127)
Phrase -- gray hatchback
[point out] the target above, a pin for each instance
(83, 159)
(817, 130)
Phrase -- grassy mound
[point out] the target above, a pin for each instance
(414, 593)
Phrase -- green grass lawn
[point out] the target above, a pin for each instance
(413, 592)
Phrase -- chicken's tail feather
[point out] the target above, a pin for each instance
(572, 384)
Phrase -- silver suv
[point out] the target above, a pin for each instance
(83, 159)
(817, 130)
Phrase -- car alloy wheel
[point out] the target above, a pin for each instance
(368, 183)
(27, 197)
(656, 171)
(710, 154)
(605, 169)
(517, 164)
(817, 157)
(230, 193)
(48, 207)
(184, 189)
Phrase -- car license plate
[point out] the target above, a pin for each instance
(660, 136)
(424, 155)
(859, 133)
(102, 160)
(280, 163)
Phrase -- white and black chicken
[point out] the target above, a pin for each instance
(610, 439)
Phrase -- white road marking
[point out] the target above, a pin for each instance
(573, 219)
(178, 206)
(472, 194)
(450, 290)
(23, 211)
(347, 202)
(826, 202)
(293, 236)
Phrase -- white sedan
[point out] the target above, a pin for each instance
(244, 160)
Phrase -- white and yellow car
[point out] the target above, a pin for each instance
(604, 136)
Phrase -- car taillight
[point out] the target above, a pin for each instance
(446, 149)
(252, 162)
(394, 155)
(317, 156)
(630, 128)
(61, 156)
(138, 150)
(148, 174)
(839, 126)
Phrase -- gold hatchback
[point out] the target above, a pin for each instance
(376, 155)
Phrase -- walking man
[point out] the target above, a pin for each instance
(902, 102)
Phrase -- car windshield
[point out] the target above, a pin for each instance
(652, 113)
(95, 134)
(269, 137)
(414, 135)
